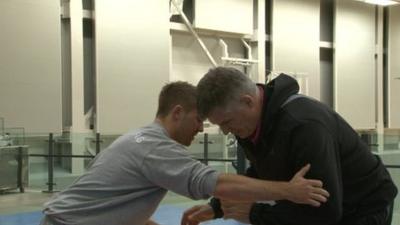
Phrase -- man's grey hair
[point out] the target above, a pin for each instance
(220, 87)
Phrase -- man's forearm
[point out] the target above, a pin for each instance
(298, 190)
(241, 188)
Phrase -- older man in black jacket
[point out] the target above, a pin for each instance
(281, 131)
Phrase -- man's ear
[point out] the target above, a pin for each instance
(177, 112)
(247, 100)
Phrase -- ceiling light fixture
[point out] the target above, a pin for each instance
(381, 2)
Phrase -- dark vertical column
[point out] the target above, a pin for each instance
(20, 173)
(97, 143)
(50, 165)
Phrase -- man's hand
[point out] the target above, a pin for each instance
(239, 211)
(197, 214)
(306, 191)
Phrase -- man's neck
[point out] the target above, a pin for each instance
(164, 122)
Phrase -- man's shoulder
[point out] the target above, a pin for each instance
(153, 136)
(307, 109)
(152, 131)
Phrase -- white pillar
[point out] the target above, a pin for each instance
(261, 40)
(379, 80)
(78, 129)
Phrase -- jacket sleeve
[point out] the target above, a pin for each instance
(309, 143)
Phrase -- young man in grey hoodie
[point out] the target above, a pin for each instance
(126, 182)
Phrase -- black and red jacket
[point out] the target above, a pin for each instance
(307, 131)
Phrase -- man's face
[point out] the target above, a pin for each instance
(189, 126)
(237, 119)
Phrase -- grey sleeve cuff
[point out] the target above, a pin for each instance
(210, 183)
(202, 186)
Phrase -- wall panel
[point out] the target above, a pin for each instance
(224, 15)
(190, 63)
(354, 63)
(30, 65)
(295, 41)
(394, 67)
(132, 61)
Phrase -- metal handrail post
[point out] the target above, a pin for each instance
(97, 143)
(50, 165)
(20, 172)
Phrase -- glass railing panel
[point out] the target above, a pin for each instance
(1, 126)
(13, 168)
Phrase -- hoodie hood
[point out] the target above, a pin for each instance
(279, 90)
(276, 92)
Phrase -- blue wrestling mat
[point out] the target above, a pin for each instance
(30, 218)
(165, 215)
